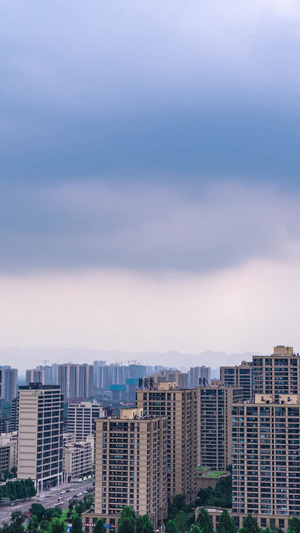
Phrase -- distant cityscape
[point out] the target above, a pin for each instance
(151, 434)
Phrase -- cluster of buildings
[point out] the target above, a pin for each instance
(181, 424)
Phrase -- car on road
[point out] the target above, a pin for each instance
(13, 503)
(62, 492)
(79, 494)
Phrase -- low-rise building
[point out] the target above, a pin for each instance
(8, 452)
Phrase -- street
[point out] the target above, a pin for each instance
(50, 498)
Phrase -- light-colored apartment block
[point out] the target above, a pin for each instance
(239, 376)
(131, 467)
(81, 418)
(40, 445)
(266, 460)
(78, 460)
(35, 375)
(278, 373)
(214, 424)
(180, 408)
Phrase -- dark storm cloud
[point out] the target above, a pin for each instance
(124, 121)
(148, 229)
(159, 88)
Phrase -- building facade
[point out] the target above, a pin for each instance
(75, 381)
(180, 408)
(9, 386)
(35, 376)
(131, 468)
(199, 375)
(239, 376)
(278, 373)
(81, 418)
(8, 452)
(214, 424)
(40, 435)
(78, 460)
(266, 459)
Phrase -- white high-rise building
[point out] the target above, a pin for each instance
(81, 418)
(40, 437)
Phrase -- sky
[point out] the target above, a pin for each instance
(150, 175)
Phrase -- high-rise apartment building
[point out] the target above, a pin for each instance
(35, 376)
(278, 373)
(180, 408)
(81, 418)
(214, 424)
(50, 373)
(40, 436)
(75, 381)
(199, 375)
(9, 383)
(130, 468)
(266, 460)
(238, 376)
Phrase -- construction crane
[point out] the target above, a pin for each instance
(44, 360)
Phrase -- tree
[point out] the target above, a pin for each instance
(147, 527)
(126, 525)
(76, 524)
(181, 521)
(226, 523)
(250, 524)
(294, 525)
(33, 525)
(128, 512)
(52, 512)
(99, 526)
(195, 529)
(88, 501)
(38, 510)
(179, 501)
(16, 522)
(204, 521)
(56, 525)
(171, 527)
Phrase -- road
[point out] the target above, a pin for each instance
(50, 498)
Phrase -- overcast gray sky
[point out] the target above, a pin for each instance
(149, 176)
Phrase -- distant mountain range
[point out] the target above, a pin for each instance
(23, 358)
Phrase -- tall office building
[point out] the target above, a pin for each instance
(278, 373)
(238, 376)
(75, 381)
(40, 436)
(266, 460)
(35, 376)
(9, 383)
(81, 418)
(199, 374)
(130, 468)
(214, 424)
(180, 408)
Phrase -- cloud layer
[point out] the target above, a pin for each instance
(88, 225)
(206, 87)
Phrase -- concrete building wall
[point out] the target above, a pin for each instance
(180, 408)
(40, 434)
(214, 424)
(131, 466)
